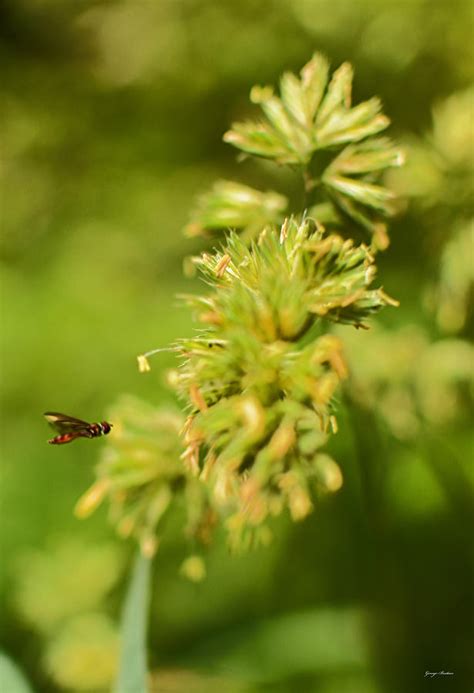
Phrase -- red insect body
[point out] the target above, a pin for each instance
(70, 428)
(64, 438)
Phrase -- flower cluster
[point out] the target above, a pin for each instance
(410, 381)
(439, 171)
(141, 474)
(260, 378)
(314, 127)
(230, 205)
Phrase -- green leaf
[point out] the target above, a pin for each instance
(132, 675)
(318, 640)
(11, 678)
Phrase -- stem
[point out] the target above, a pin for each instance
(11, 677)
(308, 186)
(132, 675)
(370, 449)
(444, 461)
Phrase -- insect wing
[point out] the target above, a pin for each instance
(64, 423)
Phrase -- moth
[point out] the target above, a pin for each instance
(69, 428)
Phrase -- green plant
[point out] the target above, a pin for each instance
(313, 128)
(259, 380)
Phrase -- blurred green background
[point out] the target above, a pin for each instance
(113, 113)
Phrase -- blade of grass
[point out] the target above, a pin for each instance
(11, 678)
(132, 674)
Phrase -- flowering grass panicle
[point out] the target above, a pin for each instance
(141, 474)
(259, 379)
(313, 127)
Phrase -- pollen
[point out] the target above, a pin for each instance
(143, 364)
